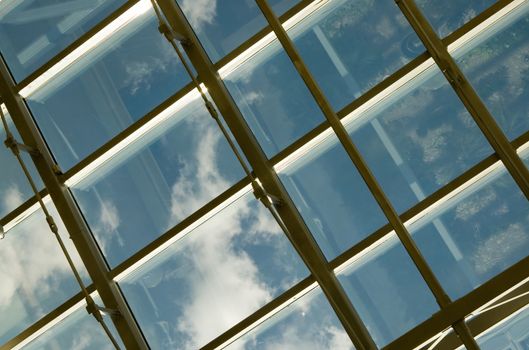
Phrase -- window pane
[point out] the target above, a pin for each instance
(213, 277)
(350, 46)
(14, 187)
(476, 235)
(275, 102)
(447, 16)
(78, 331)
(388, 292)
(512, 334)
(157, 182)
(35, 275)
(107, 90)
(418, 139)
(308, 323)
(221, 26)
(54, 25)
(497, 65)
(332, 198)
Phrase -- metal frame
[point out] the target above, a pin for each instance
(70, 214)
(452, 313)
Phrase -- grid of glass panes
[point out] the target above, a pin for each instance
(171, 177)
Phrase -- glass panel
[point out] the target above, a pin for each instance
(14, 187)
(213, 277)
(447, 16)
(35, 275)
(388, 292)
(497, 65)
(277, 105)
(54, 25)
(221, 26)
(476, 235)
(418, 139)
(350, 46)
(78, 331)
(107, 90)
(332, 198)
(512, 334)
(157, 182)
(308, 323)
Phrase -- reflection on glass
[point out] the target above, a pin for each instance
(447, 16)
(388, 292)
(475, 235)
(332, 198)
(309, 323)
(497, 65)
(350, 46)
(54, 25)
(213, 277)
(273, 98)
(157, 182)
(14, 187)
(78, 331)
(107, 90)
(512, 334)
(35, 276)
(221, 26)
(418, 139)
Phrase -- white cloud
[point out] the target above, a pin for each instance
(199, 12)
(225, 286)
(106, 228)
(33, 266)
(12, 197)
(141, 73)
(496, 250)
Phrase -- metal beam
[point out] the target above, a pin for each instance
(463, 307)
(354, 154)
(298, 232)
(70, 214)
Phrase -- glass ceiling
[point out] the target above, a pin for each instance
(404, 253)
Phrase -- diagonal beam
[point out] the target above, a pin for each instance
(467, 94)
(354, 154)
(298, 232)
(70, 214)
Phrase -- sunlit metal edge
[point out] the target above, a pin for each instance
(129, 15)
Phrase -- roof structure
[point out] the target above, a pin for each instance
(264, 174)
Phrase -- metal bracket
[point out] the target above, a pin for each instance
(16, 146)
(267, 199)
(93, 309)
(171, 35)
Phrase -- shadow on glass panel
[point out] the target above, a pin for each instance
(350, 46)
(32, 32)
(332, 198)
(447, 16)
(213, 277)
(35, 276)
(222, 25)
(308, 323)
(418, 139)
(108, 89)
(275, 102)
(476, 234)
(496, 62)
(157, 181)
(387, 291)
